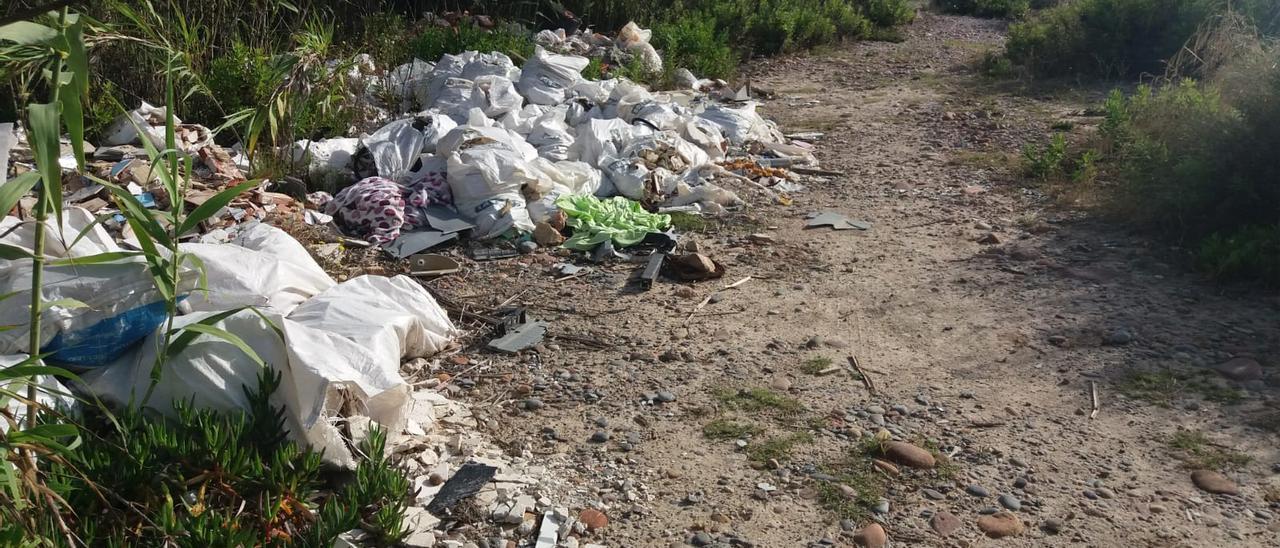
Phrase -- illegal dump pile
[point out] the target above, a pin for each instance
(508, 158)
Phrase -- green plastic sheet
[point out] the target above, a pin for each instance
(594, 221)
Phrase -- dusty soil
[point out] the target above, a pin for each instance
(985, 353)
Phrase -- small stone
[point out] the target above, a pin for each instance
(1240, 369)
(532, 404)
(1000, 525)
(593, 519)
(762, 238)
(871, 536)
(1011, 502)
(1057, 340)
(599, 437)
(881, 507)
(885, 466)
(944, 523)
(665, 396)
(1105, 493)
(909, 455)
(1052, 526)
(990, 238)
(1157, 509)
(977, 490)
(780, 383)
(1117, 337)
(701, 538)
(931, 494)
(1019, 483)
(1214, 482)
(526, 247)
(847, 525)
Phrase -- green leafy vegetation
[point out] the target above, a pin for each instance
(777, 448)
(813, 366)
(1009, 9)
(512, 40)
(1195, 450)
(219, 480)
(1162, 388)
(757, 399)
(725, 429)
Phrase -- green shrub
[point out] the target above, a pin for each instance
(1113, 38)
(1251, 252)
(693, 42)
(511, 40)
(888, 13)
(1010, 9)
(1201, 168)
(1043, 162)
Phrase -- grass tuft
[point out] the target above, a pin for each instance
(757, 399)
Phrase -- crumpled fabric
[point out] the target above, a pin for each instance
(378, 209)
(596, 220)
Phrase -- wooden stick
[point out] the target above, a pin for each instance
(738, 283)
(1093, 387)
(866, 379)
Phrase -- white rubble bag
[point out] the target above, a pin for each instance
(411, 83)
(551, 136)
(521, 121)
(263, 267)
(330, 162)
(706, 135)
(561, 178)
(50, 393)
(449, 66)
(742, 124)
(454, 99)
(361, 310)
(326, 370)
(486, 183)
(546, 77)
(491, 64)
(437, 125)
(120, 302)
(601, 139)
(636, 41)
(150, 119)
(495, 96)
(395, 146)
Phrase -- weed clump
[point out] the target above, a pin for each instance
(1195, 451)
(218, 479)
(1008, 9)
(758, 399)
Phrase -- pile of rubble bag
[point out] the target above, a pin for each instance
(496, 146)
(337, 346)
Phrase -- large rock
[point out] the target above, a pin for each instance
(871, 536)
(593, 519)
(944, 523)
(908, 455)
(1214, 482)
(1240, 369)
(1000, 525)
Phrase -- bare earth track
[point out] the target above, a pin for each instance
(986, 352)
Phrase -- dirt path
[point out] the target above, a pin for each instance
(982, 351)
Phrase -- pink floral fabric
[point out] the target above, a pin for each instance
(379, 209)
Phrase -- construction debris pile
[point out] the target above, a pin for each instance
(510, 158)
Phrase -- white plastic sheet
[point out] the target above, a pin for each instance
(263, 267)
(742, 124)
(495, 96)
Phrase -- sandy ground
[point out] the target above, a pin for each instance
(984, 311)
